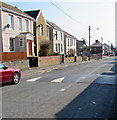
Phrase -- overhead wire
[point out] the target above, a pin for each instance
(67, 14)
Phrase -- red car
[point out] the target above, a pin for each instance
(11, 75)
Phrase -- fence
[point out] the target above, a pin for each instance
(12, 56)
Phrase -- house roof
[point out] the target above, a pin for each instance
(25, 34)
(33, 13)
(96, 44)
(53, 25)
(13, 8)
(106, 45)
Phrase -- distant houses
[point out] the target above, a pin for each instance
(22, 34)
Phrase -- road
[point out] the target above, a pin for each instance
(77, 90)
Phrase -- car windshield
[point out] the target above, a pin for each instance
(1, 66)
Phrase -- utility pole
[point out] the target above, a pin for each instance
(89, 41)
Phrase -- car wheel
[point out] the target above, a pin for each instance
(16, 78)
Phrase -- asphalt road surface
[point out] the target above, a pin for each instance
(77, 90)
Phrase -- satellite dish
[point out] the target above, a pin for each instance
(8, 26)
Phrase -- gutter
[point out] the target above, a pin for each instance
(16, 13)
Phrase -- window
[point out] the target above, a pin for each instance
(10, 21)
(56, 35)
(71, 42)
(68, 41)
(61, 48)
(41, 30)
(26, 25)
(56, 48)
(95, 49)
(47, 31)
(1, 66)
(74, 42)
(31, 26)
(19, 23)
(61, 36)
(21, 42)
(68, 51)
(11, 44)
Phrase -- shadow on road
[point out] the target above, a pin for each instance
(96, 101)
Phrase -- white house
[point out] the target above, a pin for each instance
(56, 38)
(70, 44)
(16, 30)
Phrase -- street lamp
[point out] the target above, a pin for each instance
(90, 40)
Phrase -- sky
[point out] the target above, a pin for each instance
(75, 16)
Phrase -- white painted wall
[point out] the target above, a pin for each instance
(71, 44)
(58, 41)
(12, 33)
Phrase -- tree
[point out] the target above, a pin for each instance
(44, 48)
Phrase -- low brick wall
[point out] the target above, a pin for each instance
(68, 59)
(79, 59)
(20, 64)
(48, 60)
(84, 58)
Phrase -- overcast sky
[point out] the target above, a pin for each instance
(80, 14)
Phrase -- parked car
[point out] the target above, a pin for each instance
(116, 53)
(112, 54)
(11, 75)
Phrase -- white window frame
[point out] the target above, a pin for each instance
(19, 23)
(13, 46)
(61, 48)
(21, 42)
(56, 35)
(11, 21)
(41, 29)
(68, 42)
(26, 24)
(61, 36)
(56, 48)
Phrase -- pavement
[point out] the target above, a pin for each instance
(35, 70)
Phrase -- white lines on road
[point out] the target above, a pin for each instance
(33, 80)
(49, 71)
(62, 90)
(59, 80)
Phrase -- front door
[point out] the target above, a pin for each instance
(30, 47)
(12, 44)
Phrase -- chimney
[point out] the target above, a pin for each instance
(96, 41)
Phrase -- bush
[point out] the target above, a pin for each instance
(44, 48)
(52, 54)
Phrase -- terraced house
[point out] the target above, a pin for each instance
(39, 28)
(56, 38)
(70, 44)
(16, 33)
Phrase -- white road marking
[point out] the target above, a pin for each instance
(62, 90)
(33, 80)
(82, 77)
(49, 71)
(58, 80)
